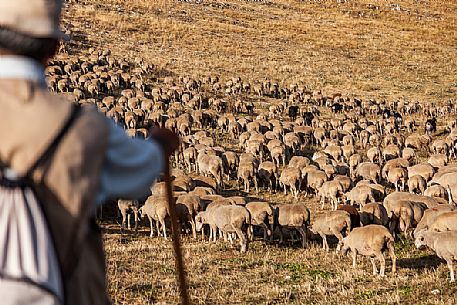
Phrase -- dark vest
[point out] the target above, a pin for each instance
(66, 184)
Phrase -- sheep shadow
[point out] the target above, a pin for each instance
(425, 262)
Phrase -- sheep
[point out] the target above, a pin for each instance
(396, 196)
(401, 215)
(369, 171)
(353, 213)
(228, 219)
(361, 195)
(156, 209)
(372, 241)
(444, 222)
(315, 179)
(430, 216)
(416, 183)
(423, 169)
(396, 175)
(262, 214)
(189, 205)
(332, 223)
(268, 172)
(373, 213)
(294, 216)
(247, 171)
(331, 190)
(438, 160)
(436, 190)
(211, 165)
(443, 243)
(125, 206)
(291, 177)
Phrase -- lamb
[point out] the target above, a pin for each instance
(228, 219)
(443, 243)
(373, 213)
(372, 241)
(294, 216)
(125, 206)
(262, 214)
(332, 223)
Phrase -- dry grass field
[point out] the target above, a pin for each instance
(382, 49)
(373, 48)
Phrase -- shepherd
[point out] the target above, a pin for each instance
(58, 163)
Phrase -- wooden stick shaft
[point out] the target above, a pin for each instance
(179, 262)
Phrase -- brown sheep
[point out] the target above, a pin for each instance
(372, 241)
(373, 213)
(293, 216)
(332, 223)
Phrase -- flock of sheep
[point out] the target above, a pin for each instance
(377, 172)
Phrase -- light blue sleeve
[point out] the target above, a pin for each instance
(130, 167)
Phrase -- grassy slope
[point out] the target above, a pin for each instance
(347, 47)
(365, 48)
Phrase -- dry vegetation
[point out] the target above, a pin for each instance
(361, 48)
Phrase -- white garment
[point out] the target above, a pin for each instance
(21, 293)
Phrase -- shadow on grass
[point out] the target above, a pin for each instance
(424, 262)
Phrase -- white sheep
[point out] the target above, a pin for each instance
(332, 223)
(443, 243)
(228, 219)
(372, 241)
(126, 206)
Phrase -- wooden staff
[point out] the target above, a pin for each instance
(179, 262)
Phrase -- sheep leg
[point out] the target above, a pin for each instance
(304, 239)
(340, 240)
(354, 257)
(243, 240)
(164, 229)
(158, 228)
(383, 264)
(391, 249)
(281, 236)
(451, 269)
(266, 231)
(151, 226)
(194, 229)
(135, 212)
(324, 242)
(128, 222)
(373, 263)
(124, 220)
